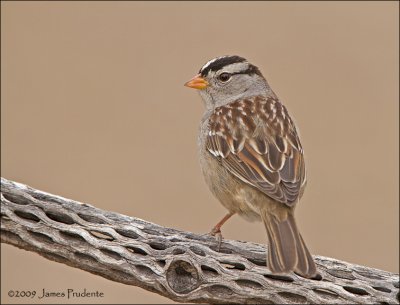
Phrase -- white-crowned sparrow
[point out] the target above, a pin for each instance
(252, 158)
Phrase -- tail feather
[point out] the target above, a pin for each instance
(286, 248)
(306, 264)
(282, 245)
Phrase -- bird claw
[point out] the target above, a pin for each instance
(218, 236)
(216, 231)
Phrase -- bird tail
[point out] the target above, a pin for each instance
(286, 248)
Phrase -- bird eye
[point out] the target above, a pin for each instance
(224, 77)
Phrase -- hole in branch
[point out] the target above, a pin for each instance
(27, 216)
(127, 233)
(101, 235)
(209, 271)
(317, 277)
(40, 237)
(221, 250)
(355, 290)
(383, 289)
(178, 251)
(145, 270)
(136, 250)
(60, 217)
(157, 246)
(326, 293)
(161, 262)
(278, 277)
(248, 284)
(72, 237)
(112, 254)
(182, 276)
(197, 251)
(233, 265)
(258, 262)
(17, 199)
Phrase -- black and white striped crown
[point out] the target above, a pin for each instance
(223, 61)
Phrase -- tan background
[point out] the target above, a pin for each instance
(94, 109)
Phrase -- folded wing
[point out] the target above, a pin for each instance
(256, 140)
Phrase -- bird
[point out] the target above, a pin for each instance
(252, 158)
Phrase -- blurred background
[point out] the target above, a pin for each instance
(93, 108)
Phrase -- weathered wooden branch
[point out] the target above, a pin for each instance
(182, 266)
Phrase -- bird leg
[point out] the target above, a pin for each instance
(216, 231)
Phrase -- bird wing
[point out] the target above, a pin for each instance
(256, 140)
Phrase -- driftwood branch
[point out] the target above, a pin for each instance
(182, 266)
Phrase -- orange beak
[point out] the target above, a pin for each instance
(197, 82)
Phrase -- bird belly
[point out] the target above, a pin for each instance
(233, 194)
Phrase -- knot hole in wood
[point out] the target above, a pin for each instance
(182, 276)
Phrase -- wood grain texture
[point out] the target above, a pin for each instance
(182, 266)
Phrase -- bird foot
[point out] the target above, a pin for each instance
(216, 232)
